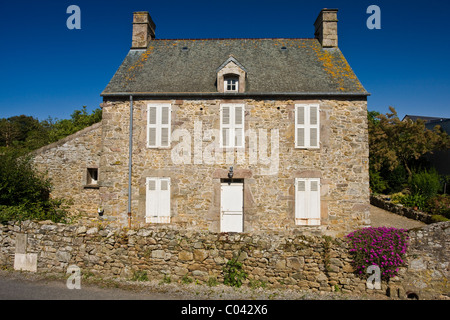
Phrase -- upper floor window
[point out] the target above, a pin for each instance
(231, 84)
(307, 126)
(158, 125)
(232, 125)
(231, 76)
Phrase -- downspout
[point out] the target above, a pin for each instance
(130, 161)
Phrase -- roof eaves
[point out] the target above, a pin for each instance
(234, 95)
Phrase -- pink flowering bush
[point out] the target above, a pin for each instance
(383, 247)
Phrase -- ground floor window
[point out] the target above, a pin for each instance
(157, 200)
(307, 201)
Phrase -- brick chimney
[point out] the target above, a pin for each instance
(143, 30)
(326, 28)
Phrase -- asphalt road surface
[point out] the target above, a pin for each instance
(15, 288)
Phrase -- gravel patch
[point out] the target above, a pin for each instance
(383, 218)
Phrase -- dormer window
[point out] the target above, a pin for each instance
(231, 84)
(231, 76)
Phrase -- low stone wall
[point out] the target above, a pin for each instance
(285, 260)
(428, 262)
(410, 213)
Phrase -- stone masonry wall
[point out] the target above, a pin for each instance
(269, 199)
(280, 259)
(66, 162)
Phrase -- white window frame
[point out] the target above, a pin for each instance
(231, 81)
(157, 207)
(311, 111)
(232, 126)
(307, 203)
(158, 126)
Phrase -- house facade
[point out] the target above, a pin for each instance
(226, 135)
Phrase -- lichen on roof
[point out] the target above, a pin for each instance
(273, 66)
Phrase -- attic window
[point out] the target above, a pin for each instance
(231, 76)
(231, 84)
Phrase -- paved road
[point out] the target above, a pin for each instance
(16, 287)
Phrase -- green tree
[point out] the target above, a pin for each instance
(27, 133)
(393, 142)
(79, 120)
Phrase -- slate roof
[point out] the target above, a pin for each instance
(425, 119)
(443, 123)
(274, 67)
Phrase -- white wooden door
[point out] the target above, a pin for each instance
(231, 207)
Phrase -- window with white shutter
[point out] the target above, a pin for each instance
(307, 126)
(307, 201)
(158, 125)
(232, 125)
(157, 200)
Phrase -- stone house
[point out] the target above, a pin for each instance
(226, 135)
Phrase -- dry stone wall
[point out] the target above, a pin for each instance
(279, 259)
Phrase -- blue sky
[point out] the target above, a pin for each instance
(49, 70)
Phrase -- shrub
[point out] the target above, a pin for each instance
(414, 200)
(397, 197)
(24, 193)
(382, 247)
(233, 273)
(425, 183)
(377, 183)
(439, 205)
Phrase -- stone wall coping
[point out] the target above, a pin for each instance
(66, 139)
(410, 213)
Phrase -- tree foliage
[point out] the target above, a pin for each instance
(27, 133)
(25, 193)
(395, 143)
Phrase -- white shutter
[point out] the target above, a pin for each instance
(158, 124)
(314, 126)
(239, 126)
(152, 126)
(307, 202)
(300, 126)
(232, 125)
(151, 199)
(158, 200)
(307, 126)
(314, 202)
(165, 125)
(226, 125)
(164, 201)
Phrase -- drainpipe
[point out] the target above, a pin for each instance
(130, 161)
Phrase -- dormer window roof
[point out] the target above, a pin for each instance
(231, 76)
